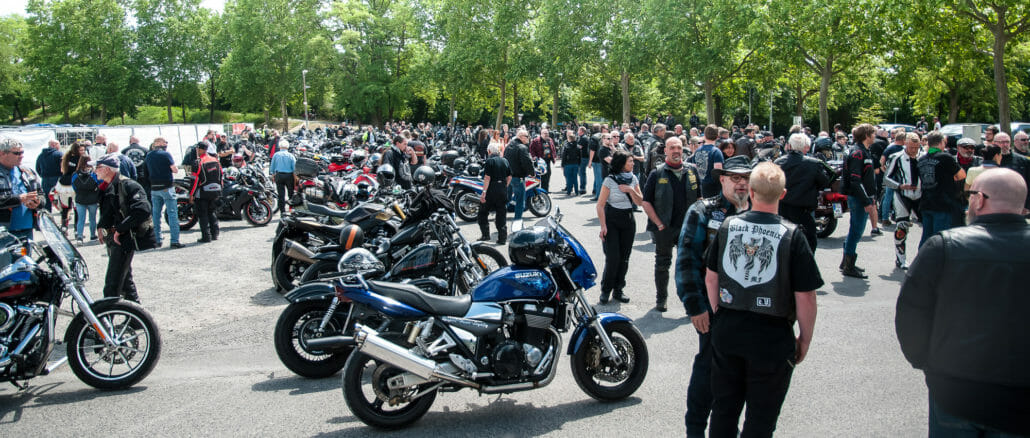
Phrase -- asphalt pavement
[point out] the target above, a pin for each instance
(219, 375)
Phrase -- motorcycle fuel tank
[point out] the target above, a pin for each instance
(513, 283)
(422, 259)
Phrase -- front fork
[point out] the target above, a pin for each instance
(85, 303)
(590, 314)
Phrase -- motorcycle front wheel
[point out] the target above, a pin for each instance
(318, 268)
(135, 353)
(299, 323)
(466, 205)
(599, 376)
(824, 225)
(258, 213)
(370, 399)
(539, 205)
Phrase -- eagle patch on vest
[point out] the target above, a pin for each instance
(750, 255)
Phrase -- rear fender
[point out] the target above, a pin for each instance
(583, 330)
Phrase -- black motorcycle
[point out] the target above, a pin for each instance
(244, 198)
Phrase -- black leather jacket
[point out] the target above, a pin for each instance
(858, 179)
(961, 312)
(806, 176)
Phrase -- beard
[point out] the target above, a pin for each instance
(970, 216)
(739, 198)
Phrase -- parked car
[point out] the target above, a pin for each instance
(890, 127)
(1017, 126)
(953, 132)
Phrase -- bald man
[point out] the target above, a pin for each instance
(961, 315)
(1016, 162)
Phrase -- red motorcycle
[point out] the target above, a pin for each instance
(832, 205)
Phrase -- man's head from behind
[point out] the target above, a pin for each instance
(995, 191)
(767, 184)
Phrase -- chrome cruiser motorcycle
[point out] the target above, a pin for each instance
(111, 343)
(503, 337)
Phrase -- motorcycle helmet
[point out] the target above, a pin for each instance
(374, 159)
(238, 161)
(360, 260)
(347, 154)
(448, 158)
(364, 192)
(541, 166)
(349, 193)
(528, 248)
(385, 174)
(358, 157)
(460, 164)
(475, 169)
(424, 175)
(351, 237)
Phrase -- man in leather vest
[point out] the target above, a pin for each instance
(961, 315)
(806, 177)
(699, 228)
(668, 193)
(761, 278)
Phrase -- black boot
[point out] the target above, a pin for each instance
(842, 264)
(849, 267)
(661, 306)
(502, 237)
(618, 296)
(605, 296)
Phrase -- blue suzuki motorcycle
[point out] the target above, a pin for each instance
(505, 336)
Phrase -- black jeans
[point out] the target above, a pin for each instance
(804, 219)
(545, 179)
(118, 281)
(208, 218)
(283, 189)
(618, 245)
(699, 390)
(498, 206)
(664, 244)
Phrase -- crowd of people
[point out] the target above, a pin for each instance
(734, 205)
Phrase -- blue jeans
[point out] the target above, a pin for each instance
(48, 184)
(161, 198)
(571, 175)
(518, 195)
(858, 219)
(886, 204)
(80, 224)
(597, 179)
(945, 425)
(584, 163)
(934, 222)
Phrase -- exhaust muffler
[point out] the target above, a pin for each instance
(297, 251)
(369, 342)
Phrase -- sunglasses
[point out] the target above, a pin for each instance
(739, 178)
(973, 192)
(19, 153)
(967, 147)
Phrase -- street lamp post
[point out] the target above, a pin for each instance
(896, 115)
(304, 81)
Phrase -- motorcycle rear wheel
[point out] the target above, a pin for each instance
(361, 381)
(298, 323)
(539, 205)
(466, 205)
(824, 225)
(119, 367)
(598, 376)
(258, 213)
(286, 272)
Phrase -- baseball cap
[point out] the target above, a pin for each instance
(109, 160)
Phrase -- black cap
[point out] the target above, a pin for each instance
(737, 164)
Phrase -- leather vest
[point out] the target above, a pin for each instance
(663, 192)
(754, 263)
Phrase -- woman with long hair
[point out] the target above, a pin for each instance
(64, 193)
(619, 192)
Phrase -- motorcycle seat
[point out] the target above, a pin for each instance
(415, 297)
(323, 210)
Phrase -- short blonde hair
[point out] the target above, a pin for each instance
(767, 181)
(912, 136)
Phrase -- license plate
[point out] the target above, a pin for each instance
(837, 210)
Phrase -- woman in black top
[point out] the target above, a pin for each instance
(570, 163)
(87, 199)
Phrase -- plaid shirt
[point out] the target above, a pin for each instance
(699, 229)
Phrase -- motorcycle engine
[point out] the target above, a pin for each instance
(7, 314)
(508, 360)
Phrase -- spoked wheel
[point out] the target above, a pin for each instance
(540, 205)
(258, 213)
(467, 206)
(369, 397)
(136, 349)
(488, 258)
(299, 323)
(286, 272)
(599, 376)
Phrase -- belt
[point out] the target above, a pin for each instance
(284, 173)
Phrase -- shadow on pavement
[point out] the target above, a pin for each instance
(654, 322)
(897, 275)
(649, 247)
(501, 417)
(297, 385)
(268, 297)
(851, 287)
(42, 396)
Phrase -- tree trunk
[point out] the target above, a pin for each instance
(43, 102)
(709, 88)
(286, 117)
(211, 117)
(170, 117)
(103, 114)
(953, 104)
(267, 117)
(67, 114)
(624, 85)
(16, 114)
(1001, 79)
(824, 95)
(500, 106)
(184, 112)
(799, 102)
(554, 107)
(123, 118)
(718, 109)
(515, 104)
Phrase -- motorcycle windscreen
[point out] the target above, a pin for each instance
(513, 283)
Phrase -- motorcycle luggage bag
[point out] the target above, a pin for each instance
(306, 168)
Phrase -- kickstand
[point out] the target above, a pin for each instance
(20, 387)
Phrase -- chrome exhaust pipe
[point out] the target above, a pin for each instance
(297, 251)
(369, 342)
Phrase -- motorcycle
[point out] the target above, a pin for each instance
(503, 337)
(111, 343)
(245, 199)
(831, 206)
(468, 189)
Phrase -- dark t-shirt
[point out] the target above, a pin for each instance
(595, 145)
(603, 153)
(159, 169)
(937, 178)
(498, 170)
(225, 161)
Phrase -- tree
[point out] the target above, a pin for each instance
(14, 91)
(168, 43)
